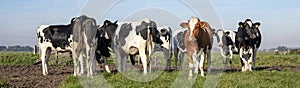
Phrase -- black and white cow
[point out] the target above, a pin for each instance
(165, 36)
(178, 46)
(131, 38)
(66, 38)
(248, 39)
(85, 44)
(226, 42)
(53, 37)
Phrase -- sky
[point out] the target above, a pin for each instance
(279, 18)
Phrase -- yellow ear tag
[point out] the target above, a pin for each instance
(241, 25)
(106, 24)
(203, 26)
(256, 26)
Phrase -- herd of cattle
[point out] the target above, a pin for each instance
(90, 43)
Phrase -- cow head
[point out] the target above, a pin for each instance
(193, 25)
(248, 29)
(108, 29)
(155, 33)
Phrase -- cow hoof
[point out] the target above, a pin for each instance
(190, 77)
(107, 69)
(196, 72)
(202, 74)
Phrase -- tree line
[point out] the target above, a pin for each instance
(16, 48)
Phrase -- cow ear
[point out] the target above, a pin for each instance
(257, 24)
(227, 33)
(202, 24)
(184, 25)
(240, 24)
(115, 21)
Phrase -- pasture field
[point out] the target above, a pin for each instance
(17, 70)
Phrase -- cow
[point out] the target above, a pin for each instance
(248, 39)
(226, 43)
(61, 39)
(165, 36)
(53, 37)
(198, 42)
(178, 46)
(131, 38)
(85, 44)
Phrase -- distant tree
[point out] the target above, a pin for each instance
(2, 48)
(20, 48)
(282, 48)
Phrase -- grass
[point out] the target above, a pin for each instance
(2, 82)
(258, 78)
(17, 58)
(237, 79)
(228, 79)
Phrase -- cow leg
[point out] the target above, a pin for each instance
(132, 57)
(120, 54)
(80, 69)
(223, 57)
(202, 57)
(181, 56)
(191, 64)
(250, 60)
(176, 51)
(208, 60)
(43, 58)
(56, 54)
(144, 59)
(195, 61)
(167, 56)
(75, 58)
(231, 55)
(243, 61)
(89, 58)
(254, 58)
(124, 62)
(45, 54)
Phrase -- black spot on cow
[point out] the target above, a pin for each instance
(142, 30)
(124, 32)
(228, 39)
(58, 34)
(165, 33)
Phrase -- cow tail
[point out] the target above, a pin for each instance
(149, 44)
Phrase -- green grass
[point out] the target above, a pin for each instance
(258, 78)
(237, 79)
(228, 79)
(17, 58)
(2, 82)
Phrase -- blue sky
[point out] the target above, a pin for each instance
(279, 18)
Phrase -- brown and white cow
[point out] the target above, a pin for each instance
(197, 40)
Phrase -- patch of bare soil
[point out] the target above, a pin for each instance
(31, 75)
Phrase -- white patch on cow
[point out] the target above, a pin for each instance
(249, 23)
(201, 66)
(42, 27)
(166, 42)
(192, 23)
(70, 39)
(146, 20)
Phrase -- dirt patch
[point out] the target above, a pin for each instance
(31, 75)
